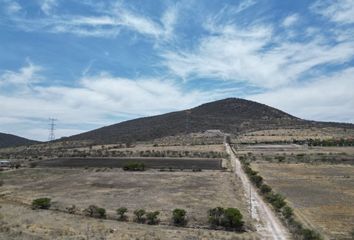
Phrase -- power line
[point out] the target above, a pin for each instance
(52, 124)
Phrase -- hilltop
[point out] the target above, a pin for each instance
(9, 140)
(231, 115)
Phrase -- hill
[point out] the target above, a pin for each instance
(9, 140)
(231, 115)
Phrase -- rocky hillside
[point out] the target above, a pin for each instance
(230, 115)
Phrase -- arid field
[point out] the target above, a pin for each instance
(322, 195)
(152, 190)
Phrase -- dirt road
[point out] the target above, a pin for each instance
(268, 225)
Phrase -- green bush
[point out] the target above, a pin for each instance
(265, 189)
(309, 234)
(139, 215)
(152, 217)
(134, 167)
(230, 218)
(277, 200)
(121, 213)
(287, 212)
(96, 212)
(179, 217)
(41, 203)
(257, 180)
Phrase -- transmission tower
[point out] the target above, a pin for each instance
(51, 136)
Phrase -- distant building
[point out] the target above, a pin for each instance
(4, 163)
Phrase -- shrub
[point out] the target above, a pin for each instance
(257, 180)
(152, 217)
(134, 167)
(215, 215)
(179, 217)
(308, 234)
(121, 213)
(265, 189)
(72, 209)
(33, 164)
(41, 203)
(139, 215)
(96, 212)
(230, 218)
(287, 212)
(276, 200)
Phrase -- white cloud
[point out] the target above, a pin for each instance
(255, 55)
(23, 78)
(13, 7)
(339, 11)
(290, 20)
(326, 98)
(106, 21)
(97, 100)
(48, 5)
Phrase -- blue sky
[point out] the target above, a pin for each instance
(94, 63)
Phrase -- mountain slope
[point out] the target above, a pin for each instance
(9, 140)
(230, 115)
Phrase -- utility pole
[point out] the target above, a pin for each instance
(51, 136)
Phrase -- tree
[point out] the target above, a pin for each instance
(179, 217)
(265, 189)
(228, 218)
(276, 200)
(121, 213)
(139, 215)
(41, 203)
(96, 212)
(308, 234)
(152, 217)
(215, 215)
(232, 218)
(287, 212)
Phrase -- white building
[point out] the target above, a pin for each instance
(4, 163)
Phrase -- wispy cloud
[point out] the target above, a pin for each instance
(255, 55)
(290, 20)
(21, 79)
(107, 21)
(48, 5)
(339, 11)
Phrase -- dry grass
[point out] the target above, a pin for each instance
(21, 223)
(322, 195)
(151, 190)
(298, 134)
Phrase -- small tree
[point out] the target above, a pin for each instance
(215, 215)
(139, 215)
(265, 189)
(179, 217)
(96, 212)
(287, 212)
(232, 218)
(308, 234)
(121, 213)
(152, 217)
(41, 203)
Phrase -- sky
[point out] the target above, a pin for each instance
(94, 63)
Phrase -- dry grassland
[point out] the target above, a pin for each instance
(322, 195)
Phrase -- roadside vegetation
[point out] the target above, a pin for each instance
(278, 203)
